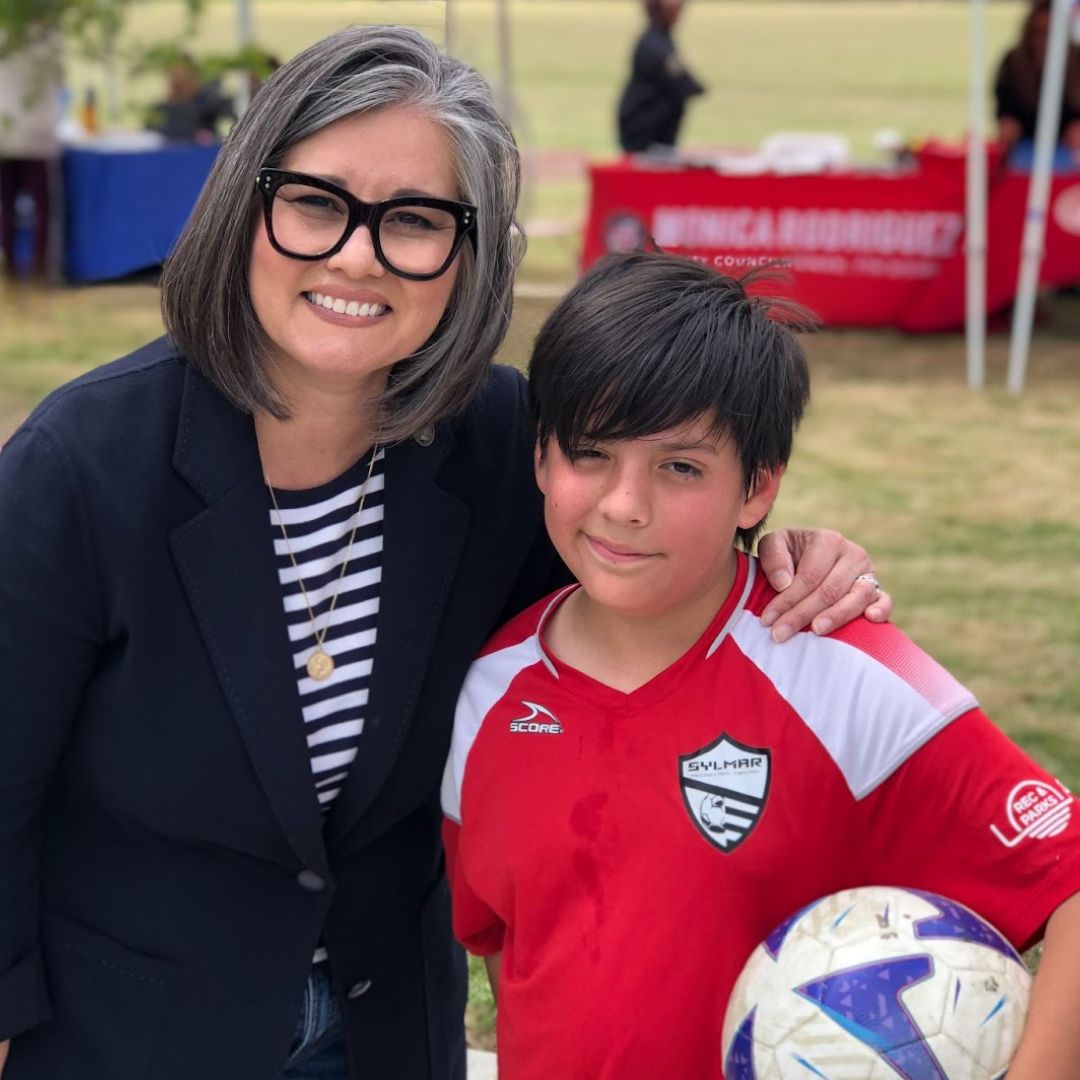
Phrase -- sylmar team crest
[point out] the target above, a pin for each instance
(1036, 809)
(724, 786)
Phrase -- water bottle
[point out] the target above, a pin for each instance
(22, 255)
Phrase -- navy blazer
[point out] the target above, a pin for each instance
(165, 871)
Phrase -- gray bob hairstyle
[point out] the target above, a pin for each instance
(206, 300)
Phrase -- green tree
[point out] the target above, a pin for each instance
(92, 24)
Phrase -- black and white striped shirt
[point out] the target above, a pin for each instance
(318, 522)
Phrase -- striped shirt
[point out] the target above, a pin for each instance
(319, 522)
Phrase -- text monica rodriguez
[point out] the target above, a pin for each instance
(925, 233)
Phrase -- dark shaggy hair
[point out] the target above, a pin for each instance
(649, 341)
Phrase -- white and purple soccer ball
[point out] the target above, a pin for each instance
(878, 983)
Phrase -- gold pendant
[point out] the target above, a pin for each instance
(320, 666)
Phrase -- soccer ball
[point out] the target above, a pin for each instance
(878, 984)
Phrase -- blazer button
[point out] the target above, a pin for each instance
(358, 989)
(308, 879)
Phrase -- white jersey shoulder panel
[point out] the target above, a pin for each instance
(487, 681)
(870, 712)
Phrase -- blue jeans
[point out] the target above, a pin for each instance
(318, 1050)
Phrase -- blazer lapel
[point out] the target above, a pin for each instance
(424, 533)
(226, 562)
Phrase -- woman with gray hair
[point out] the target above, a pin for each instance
(243, 572)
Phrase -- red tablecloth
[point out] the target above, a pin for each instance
(864, 248)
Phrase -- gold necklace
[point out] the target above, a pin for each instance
(320, 665)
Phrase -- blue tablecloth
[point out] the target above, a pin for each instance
(1022, 158)
(125, 208)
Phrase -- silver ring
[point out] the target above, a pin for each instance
(870, 578)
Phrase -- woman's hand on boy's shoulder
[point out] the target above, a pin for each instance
(822, 580)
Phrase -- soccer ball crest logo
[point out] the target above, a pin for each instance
(878, 984)
(712, 813)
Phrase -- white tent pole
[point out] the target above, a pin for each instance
(245, 34)
(1046, 133)
(245, 22)
(506, 75)
(449, 27)
(112, 83)
(975, 233)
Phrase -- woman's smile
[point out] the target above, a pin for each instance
(343, 307)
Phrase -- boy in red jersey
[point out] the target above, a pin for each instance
(642, 784)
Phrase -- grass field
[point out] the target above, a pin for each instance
(969, 502)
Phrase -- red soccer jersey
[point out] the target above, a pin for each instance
(626, 852)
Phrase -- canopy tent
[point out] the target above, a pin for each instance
(976, 231)
(1050, 101)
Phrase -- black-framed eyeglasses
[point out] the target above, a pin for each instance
(414, 236)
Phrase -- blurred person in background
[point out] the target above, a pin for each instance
(194, 106)
(652, 104)
(1019, 81)
(243, 572)
(30, 83)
